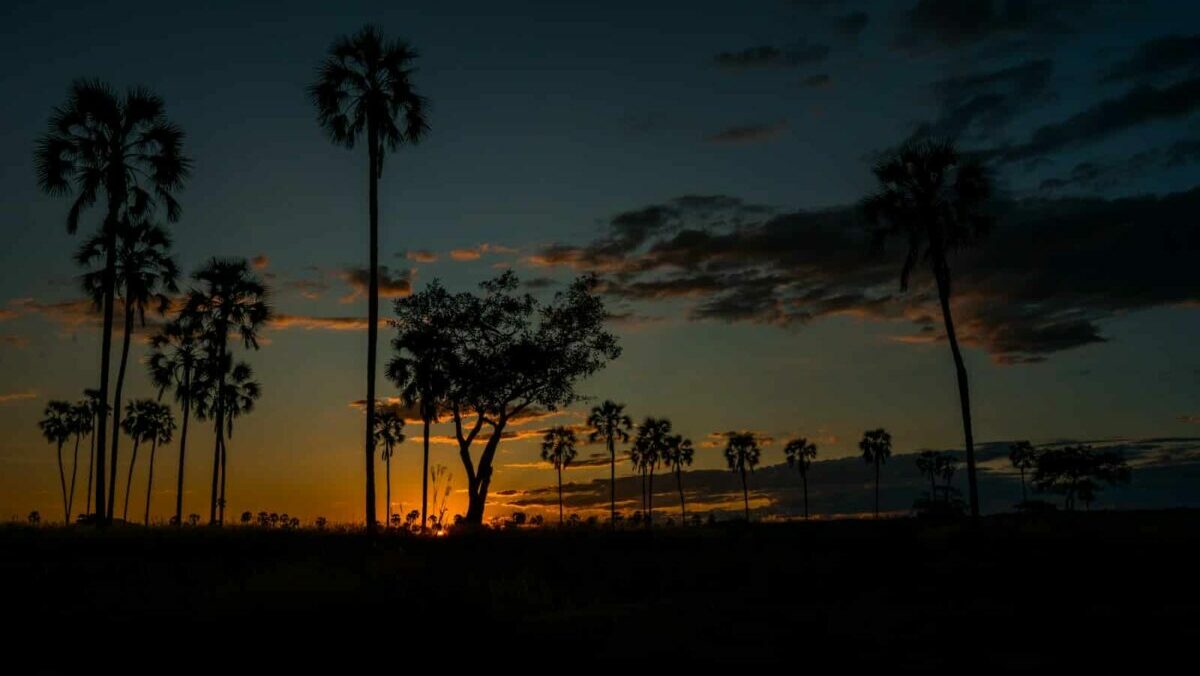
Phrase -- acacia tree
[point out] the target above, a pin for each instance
(122, 148)
(741, 455)
(677, 454)
(175, 353)
(1023, 457)
(389, 431)
(649, 445)
(876, 447)
(508, 354)
(935, 200)
(56, 425)
(609, 422)
(364, 87)
(558, 449)
(800, 454)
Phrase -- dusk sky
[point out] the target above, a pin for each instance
(707, 159)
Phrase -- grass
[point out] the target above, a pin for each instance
(1011, 593)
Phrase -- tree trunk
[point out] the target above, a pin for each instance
(129, 479)
(877, 488)
(372, 317)
(612, 482)
(1024, 499)
(682, 508)
(116, 434)
(745, 495)
(964, 395)
(91, 464)
(560, 505)
(387, 494)
(425, 473)
(150, 480)
(187, 376)
(116, 188)
(62, 480)
(219, 431)
(650, 500)
(74, 469)
(478, 489)
(804, 480)
(221, 500)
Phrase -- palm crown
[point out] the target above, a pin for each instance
(742, 451)
(876, 446)
(558, 446)
(144, 269)
(175, 351)
(231, 298)
(608, 421)
(678, 452)
(58, 422)
(235, 397)
(651, 441)
(389, 430)
(800, 454)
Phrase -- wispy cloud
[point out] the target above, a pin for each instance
(17, 396)
(751, 133)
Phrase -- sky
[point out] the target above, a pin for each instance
(707, 158)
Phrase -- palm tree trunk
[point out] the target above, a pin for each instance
(372, 317)
(74, 469)
(650, 500)
(187, 401)
(612, 482)
(682, 508)
(221, 500)
(804, 480)
(116, 433)
(1024, 499)
(745, 495)
(129, 480)
(387, 512)
(62, 480)
(964, 394)
(877, 488)
(91, 463)
(219, 436)
(560, 505)
(109, 281)
(150, 480)
(425, 473)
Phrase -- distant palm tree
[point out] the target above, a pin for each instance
(558, 448)
(57, 427)
(137, 425)
(927, 463)
(935, 200)
(418, 369)
(742, 454)
(91, 400)
(800, 454)
(82, 423)
(609, 422)
(647, 452)
(231, 299)
(122, 148)
(364, 87)
(876, 447)
(145, 270)
(176, 351)
(160, 426)
(1023, 456)
(677, 454)
(389, 431)
(223, 395)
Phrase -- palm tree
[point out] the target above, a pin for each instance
(741, 454)
(136, 424)
(160, 426)
(122, 148)
(57, 426)
(876, 447)
(224, 394)
(677, 454)
(1023, 456)
(175, 353)
(418, 369)
(558, 448)
(609, 422)
(647, 452)
(81, 424)
(144, 271)
(90, 406)
(231, 299)
(800, 454)
(935, 199)
(927, 463)
(364, 86)
(389, 431)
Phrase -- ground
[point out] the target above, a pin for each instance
(1063, 590)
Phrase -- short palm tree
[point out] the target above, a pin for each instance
(82, 423)
(935, 200)
(647, 452)
(741, 455)
(57, 426)
(558, 448)
(145, 274)
(364, 88)
(223, 394)
(927, 465)
(389, 431)
(175, 352)
(800, 454)
(137, 424)
(230, 299)
(122, 148)
(677, 454)
(609, 422)
(160, 426)
(91, 401)
(876, 447)
(1023, 456)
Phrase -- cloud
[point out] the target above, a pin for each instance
(1157, 57)
(6, 314)
(957, 24)
(260, 262)
(70, 314)
(10, 397)
(767, 56)
(391, 285)
(817, 81)
(307, 322)
(980, 104)
(1193, 419)
(1102, 175)
(852, 24)
(539, 283)
(1094, 259)
(475, 253)
(13, 340)
(753, 133)
(421, 256)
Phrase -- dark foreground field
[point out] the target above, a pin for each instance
(1073, 590)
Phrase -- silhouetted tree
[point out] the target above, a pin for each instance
(224, 394)
(558, 448)
(193, 519)
(677, 454)
(230, 299)
(91, 400)
(82, 423)
(122, 148)
(160, 427)
(927, 464)
(649, 445)
(34, 518)
(175, 352)
(1078, 472)
(800, 454)
(389, 431)
(320, 523)
(1023, 457)
(247, 517)
(609, 422)
(742, 454)
(876, 447)
(57, 424)
(364, 88)
(935, 200)
(136, 424)
(509, 353)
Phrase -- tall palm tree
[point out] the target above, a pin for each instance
(145, 270)
(800, 454)
(230, 299)
(160, 426)
(175, 352)
(648, 446)
(81, 424)
(936, 201)
(741, 455)
(389, 431)
(120, 147)
(90, 406)
(677, 454)
(57, 425)
(558, 448)
(876, 447)
(1023, 456)
(609, 422)
(419, 370)
(364, 88)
